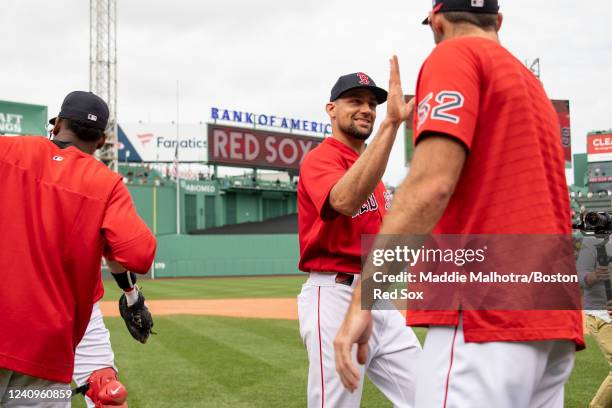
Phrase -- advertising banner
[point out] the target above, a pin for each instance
(563, 112)
(145, 142)
(233, 146)
(22, 119)
(599, 147)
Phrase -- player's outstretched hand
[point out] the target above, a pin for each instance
(398, 109)
(356, 328)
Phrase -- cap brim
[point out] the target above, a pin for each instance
(434, 11)
(379, 93)
(52, 121)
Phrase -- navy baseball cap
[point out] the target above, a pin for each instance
(472, 6)
(85, 107)
(354, 81)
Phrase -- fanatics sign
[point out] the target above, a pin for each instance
(242, 147)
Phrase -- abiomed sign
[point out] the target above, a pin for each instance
(195, 187)
(22, 119)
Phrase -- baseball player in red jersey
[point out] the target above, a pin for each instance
(483, 118)
(94, 363)
(63, 210)
(341, 197)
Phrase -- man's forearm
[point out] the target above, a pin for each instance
(588, 278)
(416, 209)
(115, 267)
(421, 200)
(354, 188)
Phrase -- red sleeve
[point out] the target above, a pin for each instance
(128, 239)
(4, 146)
(448, 93)
(319, 174)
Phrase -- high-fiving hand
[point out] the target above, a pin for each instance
(398, 109)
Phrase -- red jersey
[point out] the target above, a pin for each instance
(329, 241)
(60, 210)
(513, 180)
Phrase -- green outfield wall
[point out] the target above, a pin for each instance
(156, 206)
(207, 204)
(226, 255)
(214, 203)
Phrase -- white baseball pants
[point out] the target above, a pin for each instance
(456, 374)
(393, 348)
(94, 352)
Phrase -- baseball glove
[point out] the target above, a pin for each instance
(137, 318)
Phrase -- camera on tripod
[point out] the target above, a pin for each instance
(595, 223)
(598, 224)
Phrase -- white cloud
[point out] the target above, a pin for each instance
(282, 57)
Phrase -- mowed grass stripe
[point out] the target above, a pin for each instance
(273, 343)
(222, 371)
(175, 375)
(214, 288)
(232, 375)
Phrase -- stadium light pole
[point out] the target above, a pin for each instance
(103, 70)
(176, 160)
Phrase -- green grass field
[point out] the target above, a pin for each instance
(214, 288)
(198, 361)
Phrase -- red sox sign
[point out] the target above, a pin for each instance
(241, 147)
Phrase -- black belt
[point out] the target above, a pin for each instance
(345, 278)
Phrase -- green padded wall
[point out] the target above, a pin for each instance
(226, 255)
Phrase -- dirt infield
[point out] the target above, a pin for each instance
(257, 308)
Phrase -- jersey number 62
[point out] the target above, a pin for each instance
(446, 101)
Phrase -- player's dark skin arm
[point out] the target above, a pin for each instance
(417, 207)
(115, 267)
(354, 188)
